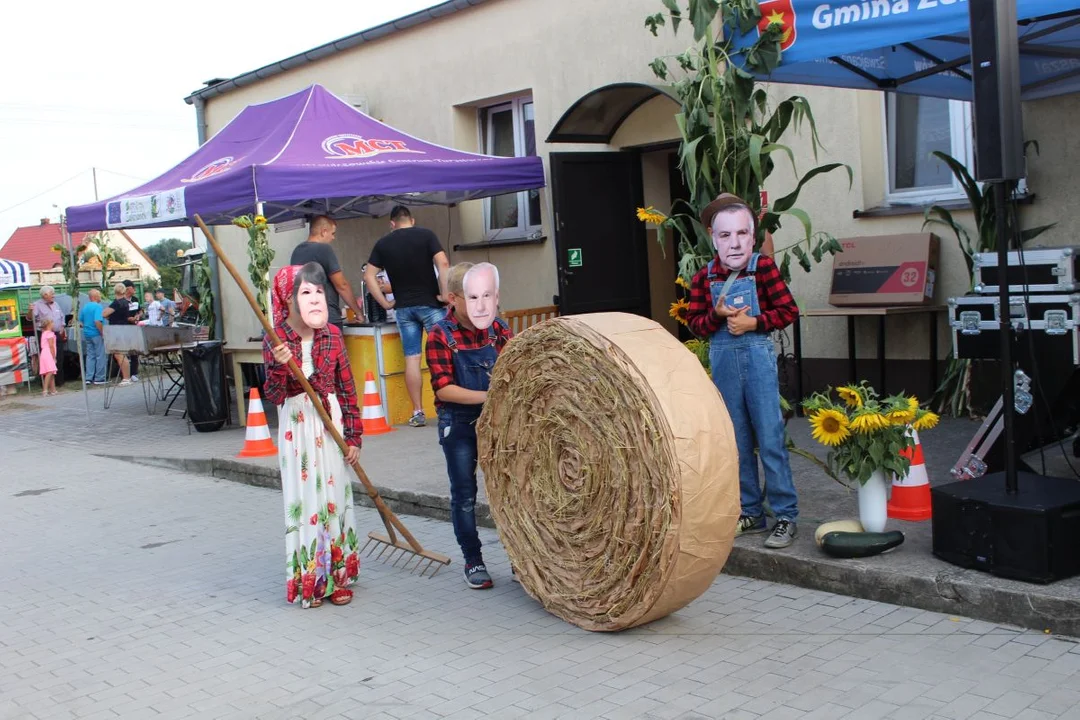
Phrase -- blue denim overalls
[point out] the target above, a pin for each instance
(744, 371)
(457, 435)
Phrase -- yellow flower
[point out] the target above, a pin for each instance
(682, 283)
(913, 403)
(260, 220)
(243, 221)
(926, 421)
(830, 427)
(678, 310)
(868, 422)
(900, 416)
(850, 396)
(650, 215)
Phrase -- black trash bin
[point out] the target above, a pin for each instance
(205, 387)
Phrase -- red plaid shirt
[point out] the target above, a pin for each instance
(440, 358)
(778, 309)
(332, 375)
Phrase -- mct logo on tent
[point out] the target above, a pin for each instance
(215, 168)
(354, 146)
(782, 13)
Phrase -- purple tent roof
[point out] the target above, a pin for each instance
(308, 153)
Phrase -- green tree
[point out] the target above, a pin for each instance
(163, 252)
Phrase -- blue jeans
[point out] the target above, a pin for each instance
(95, 358)
(412, 322)
(458, 440)
(745, 373)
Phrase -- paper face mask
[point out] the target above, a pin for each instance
(481, 297)
(733, 238)
(311, 302)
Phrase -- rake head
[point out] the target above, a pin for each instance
(409, 557)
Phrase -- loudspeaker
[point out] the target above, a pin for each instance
(995, 82)
(1032, 535)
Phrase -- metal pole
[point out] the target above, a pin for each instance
(1005, 321)
(75, 311)
(95, 184)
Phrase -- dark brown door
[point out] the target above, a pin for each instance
(600, 243)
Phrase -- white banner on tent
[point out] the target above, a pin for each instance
(14, 274)
(146, 209)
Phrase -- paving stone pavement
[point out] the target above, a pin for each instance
(135, 596)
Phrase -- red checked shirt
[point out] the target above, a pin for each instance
(332, 375)
(778, 309)
(440, 358)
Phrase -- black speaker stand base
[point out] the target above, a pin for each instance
(1031, 535)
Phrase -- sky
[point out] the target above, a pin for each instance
(102, 85)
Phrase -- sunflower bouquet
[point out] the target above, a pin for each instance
(866, 433)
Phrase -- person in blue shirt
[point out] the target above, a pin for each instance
(93, 338)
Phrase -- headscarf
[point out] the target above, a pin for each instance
(282, 292)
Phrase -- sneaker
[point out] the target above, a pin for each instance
(751, 525)
(476, 576)
(134, 378)
(418, 419)
(783, 534)
(126, 382)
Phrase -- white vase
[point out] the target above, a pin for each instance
(873, 499)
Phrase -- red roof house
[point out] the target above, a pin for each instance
(33, 245)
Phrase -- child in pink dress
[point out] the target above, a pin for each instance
(47, 363)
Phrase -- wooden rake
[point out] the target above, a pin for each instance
(410, 549)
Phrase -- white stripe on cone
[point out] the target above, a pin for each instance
(369, 388)
(258, 432)
(917, 474)
(372, 412)
(255, 406)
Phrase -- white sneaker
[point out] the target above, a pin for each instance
(134, 378)
(126, 382)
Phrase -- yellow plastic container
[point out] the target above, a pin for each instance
(366, 346)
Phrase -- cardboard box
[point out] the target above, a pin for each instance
(886, 270)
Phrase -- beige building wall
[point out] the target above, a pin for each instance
(558, 51)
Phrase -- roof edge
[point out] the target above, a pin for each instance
(332, 48)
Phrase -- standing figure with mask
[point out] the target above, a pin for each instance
(321, 553)
(736, 301)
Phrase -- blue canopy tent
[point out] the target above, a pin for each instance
(919, 47)
(923, 47)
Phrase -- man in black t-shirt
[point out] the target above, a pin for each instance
(410, 256)
(317, 249)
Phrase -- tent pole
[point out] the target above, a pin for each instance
(75, 311)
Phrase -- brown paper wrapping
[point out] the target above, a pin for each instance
(611, 468)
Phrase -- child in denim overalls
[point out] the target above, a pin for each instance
(736, 301)
(461, 351)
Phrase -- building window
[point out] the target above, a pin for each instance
(509, 130)
(915, 127)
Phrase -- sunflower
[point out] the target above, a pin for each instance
(682, 283)
(900, 416)
(679, 309)
(926, 421)
(260, 220)
(851, 396)
(913, 403)
(869, 422)
(650, 215)
(830, 426)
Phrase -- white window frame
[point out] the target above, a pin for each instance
(961, 129)
(516, 105)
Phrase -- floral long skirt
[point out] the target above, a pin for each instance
(321, 550)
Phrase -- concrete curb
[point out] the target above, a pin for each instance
(947, 592)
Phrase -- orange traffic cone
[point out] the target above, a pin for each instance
(372, 416)
(257, 443)
(911, 494)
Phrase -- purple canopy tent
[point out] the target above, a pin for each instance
(307, 153)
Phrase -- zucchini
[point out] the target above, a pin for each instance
(836, 526)
(860, 544)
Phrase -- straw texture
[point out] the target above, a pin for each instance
(611, 470)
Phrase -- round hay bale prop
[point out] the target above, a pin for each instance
(611, 469)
